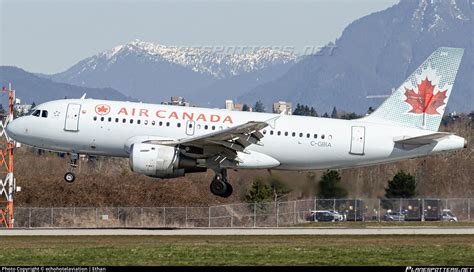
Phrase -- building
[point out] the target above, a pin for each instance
(177, 101)
(229, 105)
(282, 106)
(239, 107)
(22, 109)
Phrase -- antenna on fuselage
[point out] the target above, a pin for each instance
(83, 96)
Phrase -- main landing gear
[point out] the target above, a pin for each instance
(70, 177)
(220, 186)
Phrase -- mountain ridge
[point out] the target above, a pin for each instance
(32, 88)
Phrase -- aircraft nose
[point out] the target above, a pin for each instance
(13, 129)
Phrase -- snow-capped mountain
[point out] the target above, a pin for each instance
(152, 72)
(375, 54)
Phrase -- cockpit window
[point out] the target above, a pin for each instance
(36, 113)
(44, 114)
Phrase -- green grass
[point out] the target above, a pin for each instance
(238, 250)
(365, 224)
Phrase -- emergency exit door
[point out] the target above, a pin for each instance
(357, 141)
(72, 117)
(190, 127)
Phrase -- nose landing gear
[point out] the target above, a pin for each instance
(70, 177)
(220, 186)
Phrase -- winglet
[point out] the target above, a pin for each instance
(272, 121)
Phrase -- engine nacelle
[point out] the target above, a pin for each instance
(158, 161)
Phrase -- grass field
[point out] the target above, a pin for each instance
(366, 224)
(238, 250)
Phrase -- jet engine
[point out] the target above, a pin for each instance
(161, 161)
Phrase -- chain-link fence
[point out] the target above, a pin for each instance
(248, 215)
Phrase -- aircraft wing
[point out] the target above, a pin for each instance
(223, 144)
(421, 140)
(236, 138)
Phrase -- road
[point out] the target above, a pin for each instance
(246, 231)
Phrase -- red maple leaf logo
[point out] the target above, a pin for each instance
(102, 109)
(425, 101)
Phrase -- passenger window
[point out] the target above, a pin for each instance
(271, 132)
(286, 133)
(213, 127)
(308, 135)
(153, 123)
(116, 120)
(301, 134)
(160, 123)
(264, 132)
(145, 122)
(179, 124)
(131, 121)
(205, 127)
(124, 120)
(44, 114)
(138, 122)
(279, 133)
(102, 118)
(293, 134)
(315, 136)
(95, 118)
(167, 124)
(198, 126)
(110, 119)
(322, 136)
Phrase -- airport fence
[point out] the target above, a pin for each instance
(247, 215)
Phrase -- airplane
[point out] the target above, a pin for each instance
(165, 141)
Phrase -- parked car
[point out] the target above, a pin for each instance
(394, 216)
(322, 216)
(448, 215)
(339, 217)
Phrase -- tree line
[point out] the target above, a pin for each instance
(273, 188)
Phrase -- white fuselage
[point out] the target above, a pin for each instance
(295, 142)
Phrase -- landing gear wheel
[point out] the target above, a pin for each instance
(69, 177)
(218, 186)
(229, 190)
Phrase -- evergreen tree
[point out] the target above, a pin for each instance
(245, 107)
(259, 107)
(403, 185)
(297, 110)
(326, 115)
(258, 192)
(330, 186)
(312, 112)
(279, 188)
(350, 116)
(304, 110)
(370, 110)
(33, 105)
(334, 112)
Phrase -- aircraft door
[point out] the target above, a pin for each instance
(190, 127)
(72, 117)
(357, 141)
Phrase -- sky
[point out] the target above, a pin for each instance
(49, 36)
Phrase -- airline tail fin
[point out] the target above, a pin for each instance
(421, 100)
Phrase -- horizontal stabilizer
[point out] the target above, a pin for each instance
(420, 140)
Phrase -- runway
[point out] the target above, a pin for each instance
(243, 231)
